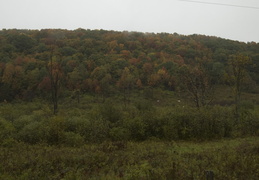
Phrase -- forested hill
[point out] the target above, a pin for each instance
(105, 62)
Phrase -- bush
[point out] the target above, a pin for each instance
(98, 130)
(56, 126)
(211, 123)
(154, 125)
(144, 105)
(79, 125)
(137, 128)
(22, 121)
(176, 123)
(110, 112)
(249, 123)
(6, 130)
(119, 134)
(10, 112)
(246, 105)
(34, 132)
(169, 127)
(190, 123)
(72, 139)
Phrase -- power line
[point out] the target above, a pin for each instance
(221, 4)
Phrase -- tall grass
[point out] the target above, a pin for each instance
(228, 159)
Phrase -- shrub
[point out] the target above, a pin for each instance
(246, 105)
(137, 128)
(209, 123)
(78, 125)
(119, 134)
(10, 112)
(22, 121)
(144, 105)
(6, 130)
(249, 123)
(34, 132)
(110, 112)
(190, 123)
(154, 125)
(72, 139)
(56, 126)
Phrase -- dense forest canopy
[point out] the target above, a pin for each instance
(102, 62)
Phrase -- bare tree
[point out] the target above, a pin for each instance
(55, 74)
(196, 80)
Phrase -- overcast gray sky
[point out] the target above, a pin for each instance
(170, 16)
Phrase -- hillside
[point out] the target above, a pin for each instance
(96, 104)
(103, 62)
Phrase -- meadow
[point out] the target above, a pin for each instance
(144, 139)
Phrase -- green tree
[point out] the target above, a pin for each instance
(238, 64)
(125, 84)
(103, 80)
(13, 77)
(22, 42)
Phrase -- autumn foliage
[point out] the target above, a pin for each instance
(101, 62)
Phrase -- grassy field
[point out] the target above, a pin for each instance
(152, 159)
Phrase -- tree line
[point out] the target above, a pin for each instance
(46, 63)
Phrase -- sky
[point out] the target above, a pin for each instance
(206, 17)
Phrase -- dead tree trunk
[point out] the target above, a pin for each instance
(55, 73)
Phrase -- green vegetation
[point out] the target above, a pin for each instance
(126, 105)
(94, 122)
(228, 159)
(145, 140)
